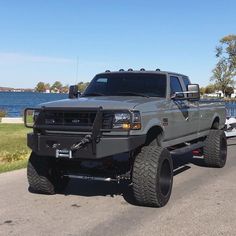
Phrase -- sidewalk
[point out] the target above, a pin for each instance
(12, 120)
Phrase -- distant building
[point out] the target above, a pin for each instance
(6, 89)
(220, 94)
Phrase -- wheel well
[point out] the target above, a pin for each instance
(153, 134)
(216, 123)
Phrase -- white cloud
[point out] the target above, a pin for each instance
(18, 58)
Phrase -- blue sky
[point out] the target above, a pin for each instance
(41, 40)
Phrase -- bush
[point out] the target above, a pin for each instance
(3, 113)
(12, 157)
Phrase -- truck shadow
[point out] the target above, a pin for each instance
(181, 163)
(96, 188)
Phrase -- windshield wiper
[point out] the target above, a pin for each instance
(93, 94)
(134, 94)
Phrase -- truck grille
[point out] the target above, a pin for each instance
(83, 119)
(69, 118)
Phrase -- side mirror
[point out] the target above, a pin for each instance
(193, 92)
(74, 92)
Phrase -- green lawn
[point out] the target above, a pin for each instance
(13, 149)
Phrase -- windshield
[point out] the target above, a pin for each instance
(127, 84)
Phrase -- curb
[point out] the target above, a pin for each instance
(12, 120)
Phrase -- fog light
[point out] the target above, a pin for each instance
(126, 126)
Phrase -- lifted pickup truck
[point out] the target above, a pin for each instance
(125, 125)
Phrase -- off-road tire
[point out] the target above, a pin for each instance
(152, 176)
(157, 141)
(215, 149)
(43, 176)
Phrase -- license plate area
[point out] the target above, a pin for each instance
(63, 153)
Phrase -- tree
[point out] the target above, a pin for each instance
(210, 89)
(202, 90)
(40, 87)
(47, 86)
(56, 87)
(229, 91)
(227, 50)
(225, 69)
(223, 75)
(65, 89)
(82, 86)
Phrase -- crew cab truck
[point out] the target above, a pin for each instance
(125, 126)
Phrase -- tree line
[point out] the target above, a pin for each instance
(58, 87)
(213, 88)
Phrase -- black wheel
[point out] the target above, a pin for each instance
(43, 176)
(152, 176)
(215, 149)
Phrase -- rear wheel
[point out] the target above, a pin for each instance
(152, 176)
(215, 149)
(43, 176)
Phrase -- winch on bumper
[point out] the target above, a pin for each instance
(49, 145)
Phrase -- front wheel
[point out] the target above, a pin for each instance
(43, 176)
(152, 176)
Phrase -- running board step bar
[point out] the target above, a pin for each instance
(187, 148)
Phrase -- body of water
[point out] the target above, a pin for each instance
(14, 103)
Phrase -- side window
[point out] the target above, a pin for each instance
(175, 85)
(186, 81)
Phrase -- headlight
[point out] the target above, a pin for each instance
(127, 120)
(122, 120)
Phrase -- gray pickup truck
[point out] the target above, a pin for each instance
(125, 126)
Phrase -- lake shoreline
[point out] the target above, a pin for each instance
(12, 104)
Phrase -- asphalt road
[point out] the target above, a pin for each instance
(203, 202)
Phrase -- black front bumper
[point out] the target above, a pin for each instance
(47, 145)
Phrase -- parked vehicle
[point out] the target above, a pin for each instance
(125, 125)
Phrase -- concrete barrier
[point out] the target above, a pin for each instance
(12, 120)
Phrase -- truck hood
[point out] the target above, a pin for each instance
(108, 103)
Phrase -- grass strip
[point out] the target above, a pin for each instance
(14, 152)
(4, 167)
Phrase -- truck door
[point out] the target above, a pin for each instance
(178, 113)
(183, 114)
